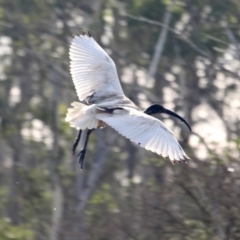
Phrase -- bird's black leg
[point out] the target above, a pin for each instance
(83, 151)
(76, 142)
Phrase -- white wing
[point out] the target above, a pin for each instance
(93, 71)
(148, 132)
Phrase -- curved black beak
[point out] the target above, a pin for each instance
(164, 110)
(156, 108)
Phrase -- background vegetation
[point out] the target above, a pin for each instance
(184, 55)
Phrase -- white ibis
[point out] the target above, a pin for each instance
(103, 103)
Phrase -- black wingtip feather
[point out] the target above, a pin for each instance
(82, 34)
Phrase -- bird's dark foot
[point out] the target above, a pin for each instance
(74, 147)
(81, 157)
(76, 142)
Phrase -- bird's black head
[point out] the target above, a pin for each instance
(156, 108)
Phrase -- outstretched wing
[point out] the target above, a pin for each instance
(150, 133)
(93, 72)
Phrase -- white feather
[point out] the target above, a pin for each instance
(82, 116)
(92, 70)
(145, 130)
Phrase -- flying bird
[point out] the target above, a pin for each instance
(103, 103)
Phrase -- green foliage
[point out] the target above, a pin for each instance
(105, 196)
(199, 230)
(10, 232)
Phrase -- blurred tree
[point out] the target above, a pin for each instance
(182, 54)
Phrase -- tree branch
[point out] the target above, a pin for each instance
(160, 43)
(178, 34)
